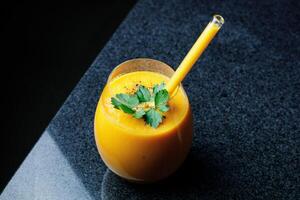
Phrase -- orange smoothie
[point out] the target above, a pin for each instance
(131, 148)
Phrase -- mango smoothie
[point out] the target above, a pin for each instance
(131, 148)
(143, 128)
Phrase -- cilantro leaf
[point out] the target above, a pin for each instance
(163, 108)
(143, 94)
(128, 100)
(115, 103)
(118, 105)
(126, 109)
(139, 114)
(153, 118)
(161, 98)
(158, 88)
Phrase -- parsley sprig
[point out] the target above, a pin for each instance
(144, 103)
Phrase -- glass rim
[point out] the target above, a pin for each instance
(143, 64)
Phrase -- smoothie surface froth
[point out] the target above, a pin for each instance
(128, 83)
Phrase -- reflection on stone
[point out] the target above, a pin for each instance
(45, 174)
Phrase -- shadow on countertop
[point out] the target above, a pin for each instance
(196, 178)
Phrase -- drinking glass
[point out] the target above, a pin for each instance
(128, 151)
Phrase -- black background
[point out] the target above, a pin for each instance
(46, 49)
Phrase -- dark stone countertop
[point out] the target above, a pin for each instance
(244, 91)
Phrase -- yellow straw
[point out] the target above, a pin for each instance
(200, 45)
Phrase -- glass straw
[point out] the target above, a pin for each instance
(195, 52)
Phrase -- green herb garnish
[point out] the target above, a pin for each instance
(144, 103)
(153, 117)
(143, 94)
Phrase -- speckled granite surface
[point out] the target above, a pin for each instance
(245, 94)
